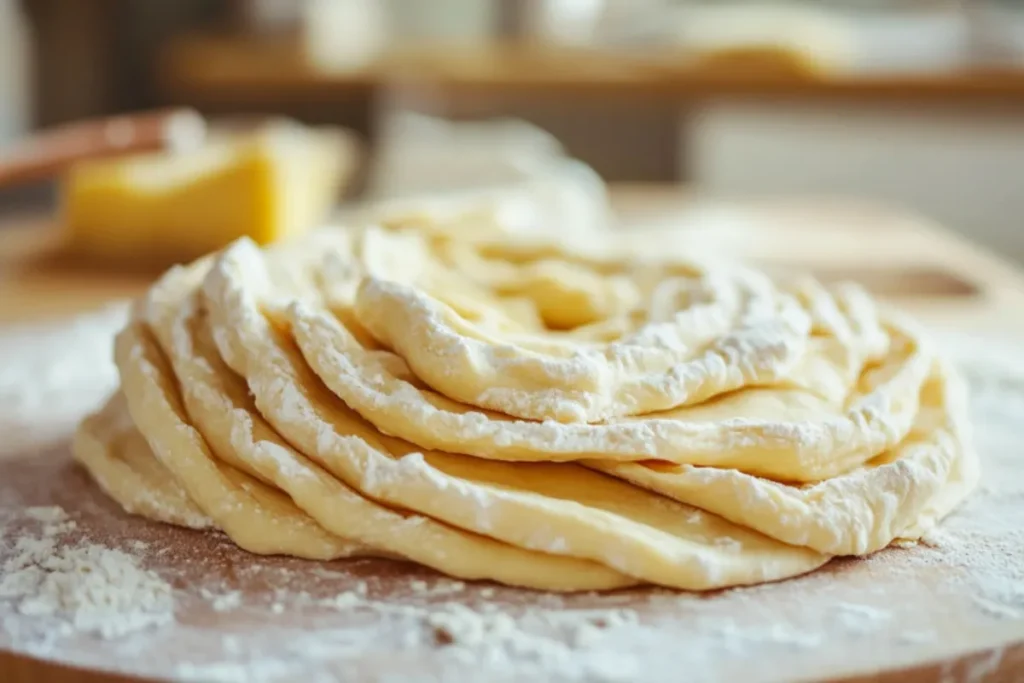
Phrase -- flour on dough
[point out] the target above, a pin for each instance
(559, 414)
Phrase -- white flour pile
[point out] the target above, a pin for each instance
(61, 592)
(82, 586)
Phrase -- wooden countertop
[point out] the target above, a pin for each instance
(944, 280)
(210, 68)
(940, 277)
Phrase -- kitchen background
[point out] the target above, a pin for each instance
(916, 103)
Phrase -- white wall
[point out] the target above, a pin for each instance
(964, 169)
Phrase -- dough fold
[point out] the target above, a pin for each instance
(534, 412)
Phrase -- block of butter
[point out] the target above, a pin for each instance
(269, 183)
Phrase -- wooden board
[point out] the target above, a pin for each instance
(908, 615)
(902, 616)
(935, 274)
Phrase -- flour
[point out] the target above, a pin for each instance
(81, 587)
(974, 565)
(499, 640)
(540, 642)
(560, 644)
(51, 373)
(859, 619)
(627, 377)
(222, 602)
(235, 672)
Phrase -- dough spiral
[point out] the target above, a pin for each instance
(542, 415)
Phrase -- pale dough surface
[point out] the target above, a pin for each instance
(811, 426)
(259, 518)
(219, 403)
(556, 508)
(538, 413)
(900, 494)
(117, 457)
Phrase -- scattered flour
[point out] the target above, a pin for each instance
(533, 643)
(85, 587)
(859, 619)
(536, 642)
(78, 588)
(235, 672)
(222, 602)
(44, 389)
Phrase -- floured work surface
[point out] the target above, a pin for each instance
(97, 589)
(101, 591)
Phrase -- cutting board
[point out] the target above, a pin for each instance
(905, 614)
(914, 614)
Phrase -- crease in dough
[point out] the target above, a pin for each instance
(774, 447)
(557, 508)
(856, 513)
(218, 402)
(255, 516)
(111, 449)
(684, 361)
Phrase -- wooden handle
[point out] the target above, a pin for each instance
(47, 154)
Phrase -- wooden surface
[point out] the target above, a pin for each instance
(223, 68)
(944, 280)
(777, 632)
(940, 277)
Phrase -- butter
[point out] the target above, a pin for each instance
(271, 184)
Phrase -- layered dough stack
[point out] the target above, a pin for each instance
(538, 414)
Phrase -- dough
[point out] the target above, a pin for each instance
(117, 457)
(257, 517)
(794, 431)
(855, 513)
(680, 362)
(540, 413)
(555, 508)
(222, 410)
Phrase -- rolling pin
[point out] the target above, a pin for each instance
(49, 153)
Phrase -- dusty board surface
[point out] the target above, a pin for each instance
(242, 617)
(949, 611)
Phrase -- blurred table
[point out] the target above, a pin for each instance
(209, 69)
(940, 277)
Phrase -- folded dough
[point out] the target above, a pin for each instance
(538, 413)
(219, 404)
(111, 449)
(799, 429)
(257, 517)
(561, 509)
(854, 513)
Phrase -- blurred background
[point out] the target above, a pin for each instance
(912, 102)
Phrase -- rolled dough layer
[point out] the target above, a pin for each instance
(530, 412)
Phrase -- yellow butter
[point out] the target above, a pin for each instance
(270, 185)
